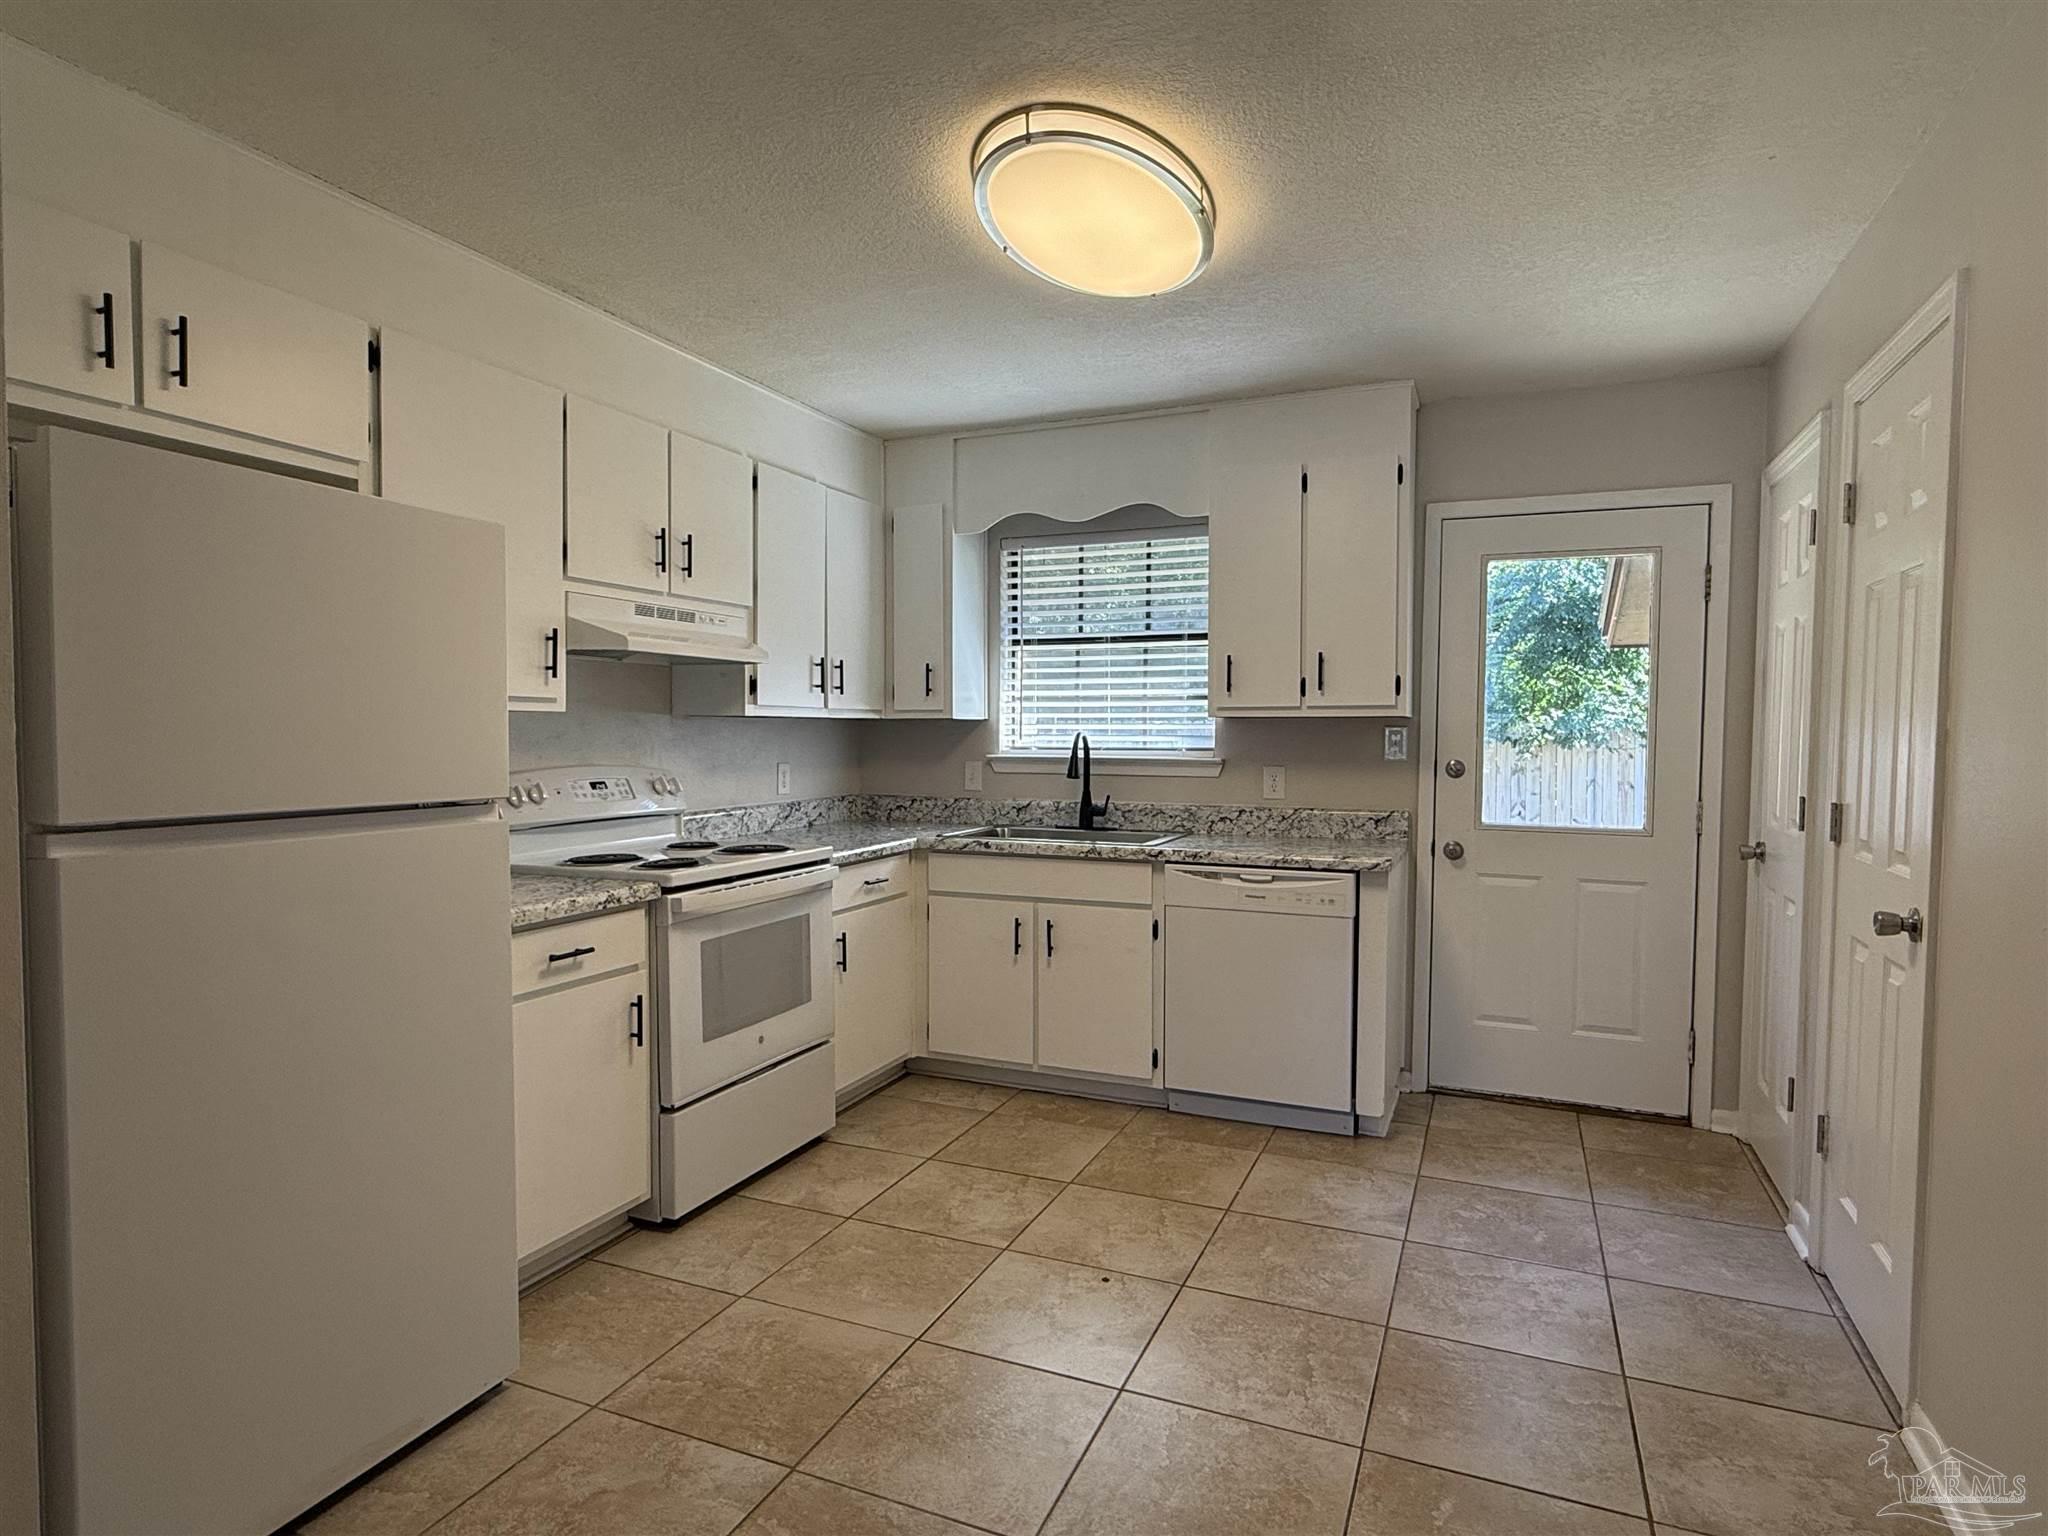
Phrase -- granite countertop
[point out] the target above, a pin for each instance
(856, 842)
(541, 899)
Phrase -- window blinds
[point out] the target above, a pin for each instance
(1107, 635)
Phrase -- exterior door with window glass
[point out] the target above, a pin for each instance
(1107, 634)
(1570, 671)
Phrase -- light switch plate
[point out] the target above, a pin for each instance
(1397, 743)
(782, 778)
(974, 774)
(1273, 784)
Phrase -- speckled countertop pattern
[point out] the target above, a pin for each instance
(541, 899)
(857, 842)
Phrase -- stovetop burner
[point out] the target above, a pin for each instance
(742, 848)
(671, 864)
(694, 845)
(603, 858)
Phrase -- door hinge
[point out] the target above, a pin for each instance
(376, 354)
(1820, 1134)
(1691, 1043)
(1799, 820)
(1791, 1093)
(1710, 583)
(1849, 501)
(1699, 818)
(1155, 930)
(1813, 525)
(1834, 821)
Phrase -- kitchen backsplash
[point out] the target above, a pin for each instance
(973, 811)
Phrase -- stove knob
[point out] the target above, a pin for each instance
(513, 797)
(535, 795)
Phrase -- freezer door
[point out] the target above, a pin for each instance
(273, 1096)
(202, 641)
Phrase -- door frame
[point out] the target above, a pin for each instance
(1945, 306)
(1817, 438)
(1720, 502)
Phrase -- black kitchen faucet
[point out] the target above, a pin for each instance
(1080, 763)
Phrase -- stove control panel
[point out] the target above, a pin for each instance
(576, 794)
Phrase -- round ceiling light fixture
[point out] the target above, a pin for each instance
(1092, 201)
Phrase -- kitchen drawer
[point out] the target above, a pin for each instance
(1037, 877)
(877, 880)
(591, 946)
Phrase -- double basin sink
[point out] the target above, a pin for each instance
(1118, 835)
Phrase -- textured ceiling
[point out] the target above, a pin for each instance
(1483, 195)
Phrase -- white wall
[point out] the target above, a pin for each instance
(105, 154)
(619, 713)
(1977, 198)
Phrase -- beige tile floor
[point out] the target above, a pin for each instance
(977, 1310)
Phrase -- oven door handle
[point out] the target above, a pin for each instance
(682, 906)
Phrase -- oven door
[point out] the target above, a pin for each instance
(748, 980)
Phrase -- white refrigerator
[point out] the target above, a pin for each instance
(262, 732)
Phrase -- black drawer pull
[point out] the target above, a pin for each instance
(927, 679)
(1048, 938)
(573, 954)
(1017, 936)
(639, 1019)
(181, 371)
(1229, 670)
(105, 310)
(1319, 671)
(841, 961)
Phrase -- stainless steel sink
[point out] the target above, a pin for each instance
(1119, 835)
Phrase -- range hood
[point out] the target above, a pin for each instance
(653, 629)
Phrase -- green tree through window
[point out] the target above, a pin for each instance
(1551, 676)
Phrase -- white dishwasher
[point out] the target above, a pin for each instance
(1259, 967)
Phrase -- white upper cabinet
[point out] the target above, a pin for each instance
(710, 522)
(68, 313)
(789, 615)
(227, 352)
(461, 436)
(617, 487)
(917, 610)
(937, 632)
(1311, 553)
(853, 601)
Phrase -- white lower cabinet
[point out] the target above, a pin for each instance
(1042, 963)
(582, 1073)
(1095, 989)
(874, 1017)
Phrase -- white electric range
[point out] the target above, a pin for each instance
(742, 968)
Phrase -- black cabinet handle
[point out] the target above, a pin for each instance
(1017, 936)
(181, 371)
(839, 675)
(1319, 671)
(927, 679)
(1229, 670)
(573, 954)
(820, 684)
(553, 665)
(661, 550)
(1048, 938)
(878, 880)
(841, 962)
(105, 310)
(639, 1019)
(688, 548)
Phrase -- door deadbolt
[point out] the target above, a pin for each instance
(1454, 850)
(1455, 768)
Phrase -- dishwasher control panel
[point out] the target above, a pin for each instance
(1300, 893)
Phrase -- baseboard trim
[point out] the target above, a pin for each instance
(1727, 1121)
(1928, 1449)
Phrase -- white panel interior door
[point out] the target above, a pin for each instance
(853, 601)
(1351, 576)
(917, 609)
(710, 521)
(789, 618)
(67, 287)
(1778, 849)
(1896, 454)
(1567, 792)
(461, 436)
(1255, 585)
(617, 485)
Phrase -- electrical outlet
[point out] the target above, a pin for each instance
(782, 778)
(1397, 743)
(974, 775)
(1273, 784)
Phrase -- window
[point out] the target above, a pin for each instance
(1107, 634)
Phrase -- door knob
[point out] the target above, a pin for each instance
(1748, 851)
(1454, 850)
(1454, 769)
(1888, 925)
